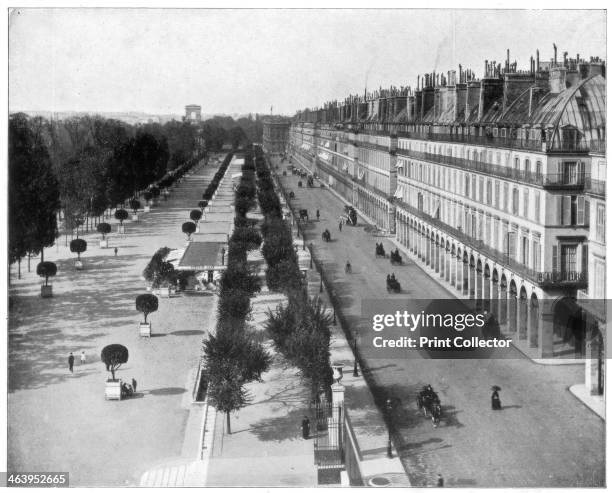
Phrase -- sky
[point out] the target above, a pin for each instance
(247, 61)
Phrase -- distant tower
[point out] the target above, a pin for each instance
(193, 113)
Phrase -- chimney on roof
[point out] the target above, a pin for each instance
(537, 60)
(557, 79)
(507, 59)
(555, 49)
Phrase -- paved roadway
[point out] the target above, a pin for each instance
(543, 436)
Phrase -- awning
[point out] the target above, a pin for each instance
(345, 166)
(203, 255)
(400, 164)
(360, 174)
(237, 175)
(330, 180)
(399, 192)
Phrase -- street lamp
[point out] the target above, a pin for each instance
(355, 337)
(310, 248)
(389, 407)
(320, 279)
(334, 307)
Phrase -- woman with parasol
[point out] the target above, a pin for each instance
(495, 402)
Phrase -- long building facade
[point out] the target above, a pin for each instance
(497, 185)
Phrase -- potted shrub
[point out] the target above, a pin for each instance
(202, 204)
(195, 215)
(104, 229)
(113, 356)
(164, 279)
(148, 196)
(46, 270)
(78, 246)
(135, 205)
(121, 215)
(188, 228)
(146, 303)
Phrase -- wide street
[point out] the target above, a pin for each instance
(59, 421)
(542, 437)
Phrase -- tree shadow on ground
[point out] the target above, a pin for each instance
(167, 391)
(186, 332)
(280, 428)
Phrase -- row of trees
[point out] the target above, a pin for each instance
(233, 356)
(300, 329)
(76, 169)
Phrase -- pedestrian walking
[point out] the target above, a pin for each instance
(134, 384)
(318, 215)
(71, 363)
(83, 358)
(306, 428)
(440, 483)
(116, 250)
(340, 225)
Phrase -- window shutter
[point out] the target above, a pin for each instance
(580, 215)
(580, 172)
(587, 213)
(567, 209)
(512, 246)
(585, 259)
(555, 258)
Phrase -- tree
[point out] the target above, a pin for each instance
(195, 215)
(146, 304)
(121, 215)
(33, 190)
(78, 246)
(232, 359)
(46, 270)
(113, 356)
(284, 276)
(104, 229)
(151, 271)
(135, 205)
(188, 228)
(202, 204)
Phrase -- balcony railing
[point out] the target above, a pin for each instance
(598, 146)
(542, 279)
(528, 177)
(596, 187)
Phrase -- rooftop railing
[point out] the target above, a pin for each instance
(553, 180)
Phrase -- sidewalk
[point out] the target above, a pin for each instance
(265, 448)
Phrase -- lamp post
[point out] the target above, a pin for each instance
(310, 248)
(334, 307)
(355, 369)
(389, 407)
(320, 279)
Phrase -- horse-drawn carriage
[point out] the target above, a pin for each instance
(429, 402)
(380, 250)
(350, 215)
(393, 284)
(303, 214)
(326, 236)
(310, 182)
(291, 194)
(396, 258)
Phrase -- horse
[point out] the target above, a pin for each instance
(326, 236)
